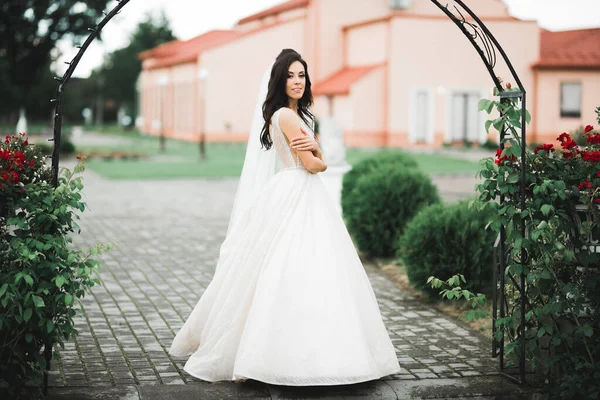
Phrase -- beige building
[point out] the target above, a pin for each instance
(392, 73)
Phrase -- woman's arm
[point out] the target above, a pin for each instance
(307, 143)
(290, 125)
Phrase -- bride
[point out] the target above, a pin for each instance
(290, 302)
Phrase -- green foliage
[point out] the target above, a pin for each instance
(443, 240)
(117, 77)
(452, 290)
(397, 158)
(66, 147)
(42, 276)
(490, 145)
(562, 272)
(29, 34)
(382, 202)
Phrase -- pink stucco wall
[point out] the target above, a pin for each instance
(367, 44)
(432, 53)
(234, 73)
(332, 16)
(550, 123)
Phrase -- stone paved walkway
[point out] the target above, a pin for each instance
(167, 235)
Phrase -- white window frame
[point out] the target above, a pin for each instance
(430, 131)
(482, 115)
(568, 113)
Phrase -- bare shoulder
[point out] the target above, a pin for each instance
(287, 115)
(289, 123)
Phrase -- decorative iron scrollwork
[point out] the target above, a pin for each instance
(477, 34)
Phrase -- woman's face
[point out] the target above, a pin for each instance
(295, 81)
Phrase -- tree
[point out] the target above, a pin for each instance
(118, 75)
(29, 31)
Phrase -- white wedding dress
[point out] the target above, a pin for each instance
(290, 302)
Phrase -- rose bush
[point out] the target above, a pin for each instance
(21, 163)
(551, 238)
(42, 275)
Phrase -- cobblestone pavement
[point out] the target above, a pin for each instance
(167, 235)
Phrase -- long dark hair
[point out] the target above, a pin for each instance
(277, 98)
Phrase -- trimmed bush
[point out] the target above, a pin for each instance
(382, 203)
(398, 158)
(66, 147)
(444, 240)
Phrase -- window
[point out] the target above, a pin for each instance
(570, 100)
(422, 116)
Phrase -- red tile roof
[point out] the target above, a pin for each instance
(570, 49)
(340, 82)
(163, 50)
(187, 51)
(287, 6)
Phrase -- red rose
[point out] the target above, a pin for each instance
(31, 163)
(15, 177)
(508, 85)
(548, 148)
(7, 139)
(596, 200)
(563, 137)
(593, 139)
(592, 156)
(500, 159)
(26, 143)
(585, 185)
(589, 128)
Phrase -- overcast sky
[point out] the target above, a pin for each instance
(190, 18)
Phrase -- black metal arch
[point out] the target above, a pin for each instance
(486, 46)
(65, 80)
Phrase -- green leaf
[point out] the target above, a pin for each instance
(546, 208)
(3, 289)
(515, 122)
(28, 279)
(541, 331)
(488, 123)
(27, 314)
(59, 281)
(38, 301)
(49, 326)
(470, 316)
(29, 338)
(68, 299)
(513, 177)
(487, 105)
(588, 331)
(498, 124)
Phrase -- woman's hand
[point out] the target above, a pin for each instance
(305, 143)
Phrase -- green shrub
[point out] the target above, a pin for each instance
(398, 158)
(42, 276)
(490, 145)
(382, 203)
(444, 240)
(66, 147)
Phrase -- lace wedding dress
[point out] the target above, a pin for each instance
(290, 302)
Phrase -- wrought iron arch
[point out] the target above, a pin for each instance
(486, 46)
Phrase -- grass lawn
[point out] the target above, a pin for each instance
(181, 159)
